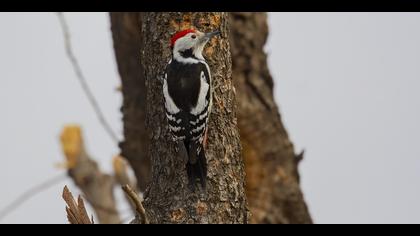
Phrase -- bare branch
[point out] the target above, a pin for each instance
(121, 176)
(108, 210)
(139, 206)
(82, 79)
(96, 186)
(121, 168)
(76, 212)
(29, 194)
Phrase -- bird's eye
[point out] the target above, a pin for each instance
(193, 36)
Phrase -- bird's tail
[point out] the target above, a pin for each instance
(196, 165)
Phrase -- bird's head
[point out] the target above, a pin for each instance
(190, 42)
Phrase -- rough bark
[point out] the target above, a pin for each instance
(126, 29)
(96, 186)
(168, 198)
(272, 179)
(272, 183)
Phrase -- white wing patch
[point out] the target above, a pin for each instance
(199, 128)
(170, 117)
(169, 103)
(174, 129)
(202, 101)
(211, 93)
(201, 117)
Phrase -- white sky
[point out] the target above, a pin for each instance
(346, 83)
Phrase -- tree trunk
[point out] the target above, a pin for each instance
(126, 29)
(168, 198)
(272, 183)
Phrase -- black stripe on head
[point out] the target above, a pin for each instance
(187, 53)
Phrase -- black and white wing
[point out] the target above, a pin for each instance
(187, 93)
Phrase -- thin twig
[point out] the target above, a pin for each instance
(30, 193)
(136, 200)
(82, 79)
(121, 176)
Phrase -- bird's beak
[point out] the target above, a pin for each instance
(205, 37)
(210, 35)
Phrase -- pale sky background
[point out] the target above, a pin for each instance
(346, 83)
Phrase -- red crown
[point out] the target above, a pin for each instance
(180, 34)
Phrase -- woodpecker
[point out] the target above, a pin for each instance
(187, 92)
